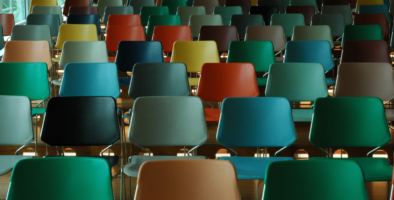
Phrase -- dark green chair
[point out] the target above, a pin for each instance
(350, 122)
(166, 20)
(362, 32)
(260, 53)
(173, 5)
(147, 11)
(65, 178)
(314, 179)
(227, 12)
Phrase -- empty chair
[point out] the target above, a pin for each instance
(305, 3)
(116, 34)
(265, 11)
(365, 51)
(83, 10)
(173, 5)
(310, 33)
(331, 179)
(362, 32)
(208, 4)
(137, 4)
(102, 4)
(375, 9)
(7, 21)
(49, 10)
(276, 3)
(124, 20)
(245, 5)
(243, 21)
(196, 21)
(227, 12)
(117, 10)
(336, 22)
(167, 20)
(345, 10)
(31, 33)
(307, 11)
(288, 22)
(368, 2)
(69, 3)
(255, 122)
(187, 11)
(85, 19)
(76, 32)
(297, 82)
(148, 11)
(34, 3)
(52, 20)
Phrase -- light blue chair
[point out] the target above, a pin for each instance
(255, 122)
(375, 9)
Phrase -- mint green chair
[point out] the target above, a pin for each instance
(260, 53)
(288, 22)
(362, 32)
(227, 12)
(173, 5)
(147, 11)
(163, 20)
(350, 122)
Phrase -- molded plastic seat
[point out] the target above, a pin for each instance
(345, 10)
(31, 33)
(69, 3)
(76, 32)
(245, 5)
(117, 10)
(305, 3)
(102, 4)
(311, 33)
(342, 113)
(28, 51)
(167, 20)
(336, 22)
(49, 10)
(173, 5)
(187, 11)
(243, 21)
(83, 10)
(7, 21)
(276, 3)
(262, 126)
(85, 19)
(365, 19)
(227, 12)
(297, 82)
(148, 11)
(307, 11)
(168, 114)
(265, 11)
(51, 20)
(365, 51)
(368, 2)
(196, 21)
(208, 4)
(137, 4)
(362, 32)
(42, 3)
(124, 20)
(116, 34)
(288, 22)
(375, 9)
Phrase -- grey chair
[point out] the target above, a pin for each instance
(186, 11)
(196, 21)
(243, 21)
(45, 19)
(335, 21)
(345, 10)
(16, 128)
(102, 4)
(118, 10)
(49, 10)
(277, 3)
(31, 33)
(137, 4)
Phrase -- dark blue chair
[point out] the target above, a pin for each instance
(132, 52)
(375, 9)
(255, 122)
(85, 19)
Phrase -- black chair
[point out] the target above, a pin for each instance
(85, 19)
(52, 20)
(243, 21)
(266, 11)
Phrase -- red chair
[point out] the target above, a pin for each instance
(69, 3)
(83, 10)
(307, 11)
(365, 51)
(7, 21)
(221, 80)
(167, 35)
(365, 19)
(124, 20)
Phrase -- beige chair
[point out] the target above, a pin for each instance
(319, 32)
(208, 4)
(366, 80)
(186, 11)
(102, 4)
(196, 21)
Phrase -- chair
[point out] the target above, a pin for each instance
(167, 20)
(102, 4)
(222, 80)
(124, 20)
(32, 33)
(208, 4)
(173, 5)
(259, 53)
(49, 10)
(117, 10)
(194, 54)
(76, 32)
(213, 179)
(262, 126)
(25, 79)
(365, 51)
(196, 21)
(85, 19)
(243, 21)
(297, 82)
(305, 3)
(137, 4)
(2, 43)
(116, 34)
(16, 128)
(148, 11)
(375, 9)
(45, 19)
(167, 35)
(186, 12)
(335, 2)
(342, 113)
(245, 5)
(330, 179)
(362, 32)
(227, 12)
(83, 10)
(7, 21)
(69, 3)
(345, 10)
(265, 11)
(336, 22)
(311, 33)
(368, 2)
(41, 3)
(288, 22)
(93, 172)
(276, 3)
(307, 11)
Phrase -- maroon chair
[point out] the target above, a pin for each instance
(7, 21)
(365, 51)
(307, 11)
(222, 35)
(83, 10)
(245, 5)
(365, 19)
(335, 2)
(69, 3)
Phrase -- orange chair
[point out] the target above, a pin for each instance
(167, 35)
(116, 34)
(221, 80)
(124, 20)
(69, 3)
(7, 21)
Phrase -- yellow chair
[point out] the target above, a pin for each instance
(194, 54)
(368, 2)
(42, 3)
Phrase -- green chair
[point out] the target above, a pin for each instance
(314, 179)
(297, 82)
(260, 53)
(350, 127)
(31, 33)
(147, 11)
(166, 20)
(288, 22)
(173, 5)
(77, 178)
(305, 3)
(362, 32)
(227, 12)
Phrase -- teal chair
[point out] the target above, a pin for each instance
(288, 22)
(173, 5)
(147, 11)
(362, 32)
(162, 20)
(351, 127)
(227, 12)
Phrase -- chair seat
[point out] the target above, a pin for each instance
(111, 59)
(133, 167)
(302, 115)
(390, 114)
(261, 81)
(193, 81)
(112, 160)
(38, 111)
(330, 81)
(124, 81)
(7, 162)
(167, 59)
(248, 168)
(212, 115)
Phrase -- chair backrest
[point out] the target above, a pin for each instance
(102, 4)
(208, 4)
(213, 179)
(173, 5)
(83, 10)
(61, 112)
(305, 3)
(307, 11)
(83, 52)
(69, 3)
(159, 79)
(362, 32)
(243, 21)
(179, 121)
(147, 11)
(345, 10)
(32, 33)
(259, 53)
(365, 80)
(334, 179)
(137, 4)
(117, 10)
(167, 35)
(52, 20)
(366, 19)
(85, 19)
(375, 9)
(196, 21)
(258, 118)
(227, 12)
(336, 22)
(365, 51)
(7, 21)
(186, 11)
(28, 51)
(195, 53)
(371, 129)
(318, 51)
(368, 2)
(222, 35)
(265, 11)
(42, 3)
(124, 20)
(296, 81)
(131, 52)
(102, 80)
(274, 33)
(310, 33)
(24, 79)
(288, 22)
(277, 3)
(116, 34)
(245, 5)
(16, 125)
(49, 10)
(76, 32)
(165, 20)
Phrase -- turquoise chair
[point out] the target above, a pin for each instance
(227, 12)
(163, 20)
(375, 9)
(255, 122)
